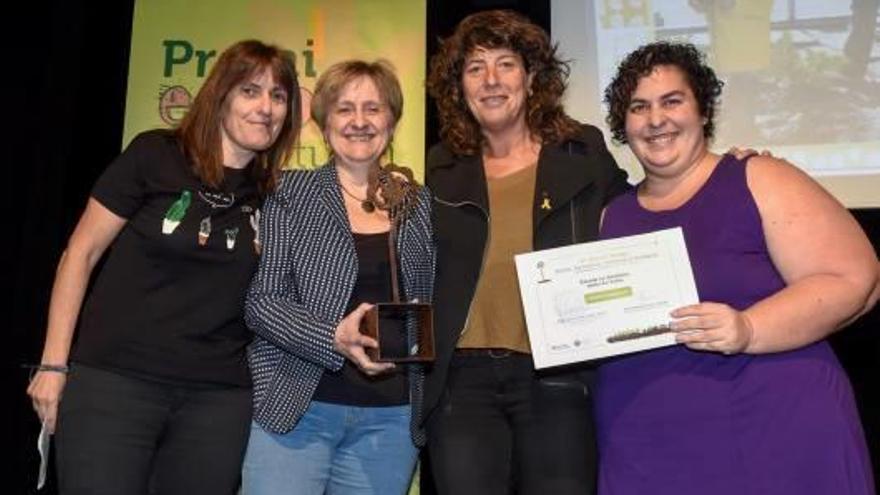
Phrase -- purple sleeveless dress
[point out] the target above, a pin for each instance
(676, 421)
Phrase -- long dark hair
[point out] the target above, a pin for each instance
(199, 131)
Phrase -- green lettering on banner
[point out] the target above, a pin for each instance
(203, 57)
(309, 59)
(171, 60)
(174, 46)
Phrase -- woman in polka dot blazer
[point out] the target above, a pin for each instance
(326, 417)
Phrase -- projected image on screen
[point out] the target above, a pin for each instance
(802, 76)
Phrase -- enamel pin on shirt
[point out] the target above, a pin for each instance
(255, 224)
(231, 234)
(545, 203)
(204, 231)
(176, 212)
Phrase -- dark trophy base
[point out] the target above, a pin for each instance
(404, 331)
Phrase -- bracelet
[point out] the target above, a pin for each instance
(55, 368)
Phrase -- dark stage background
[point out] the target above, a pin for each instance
(65, 76)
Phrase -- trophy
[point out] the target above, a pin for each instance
(403, 330)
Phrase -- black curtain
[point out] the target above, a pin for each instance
(67, 70)
(65, 78)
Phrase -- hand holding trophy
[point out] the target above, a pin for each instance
(403, 330)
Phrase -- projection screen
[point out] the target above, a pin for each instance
(802, 76)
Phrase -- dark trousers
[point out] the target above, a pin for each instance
(501, 429)
(118, 434)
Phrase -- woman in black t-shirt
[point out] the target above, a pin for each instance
(156, 391)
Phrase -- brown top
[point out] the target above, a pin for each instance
(496, 317)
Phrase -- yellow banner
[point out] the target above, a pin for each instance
(174, 45)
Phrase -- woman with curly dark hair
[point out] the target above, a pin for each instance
(754, 400)
(514, 173)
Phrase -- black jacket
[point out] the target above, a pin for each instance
(575, 180)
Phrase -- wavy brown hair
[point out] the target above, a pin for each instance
(545, 117)
(700, 77)
(199, 131)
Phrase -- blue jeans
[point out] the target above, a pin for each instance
(333, 449)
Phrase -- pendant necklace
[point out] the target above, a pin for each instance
(366, 204)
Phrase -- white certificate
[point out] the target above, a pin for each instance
(603, 298)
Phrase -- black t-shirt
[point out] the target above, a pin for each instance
(350, 386)
(168, 302)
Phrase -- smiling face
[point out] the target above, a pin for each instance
(495, 84)
(359, 124)
(253, 116)
(664, 127)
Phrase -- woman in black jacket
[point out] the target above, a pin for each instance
(513, 174)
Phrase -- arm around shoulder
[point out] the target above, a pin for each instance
(615, 178)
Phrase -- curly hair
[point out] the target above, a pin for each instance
(700, 77)
(492, 29)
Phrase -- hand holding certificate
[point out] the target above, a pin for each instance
(604, 298)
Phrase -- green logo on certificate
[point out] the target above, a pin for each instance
(607, 295)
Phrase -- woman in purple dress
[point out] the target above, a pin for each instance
(753, 401)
